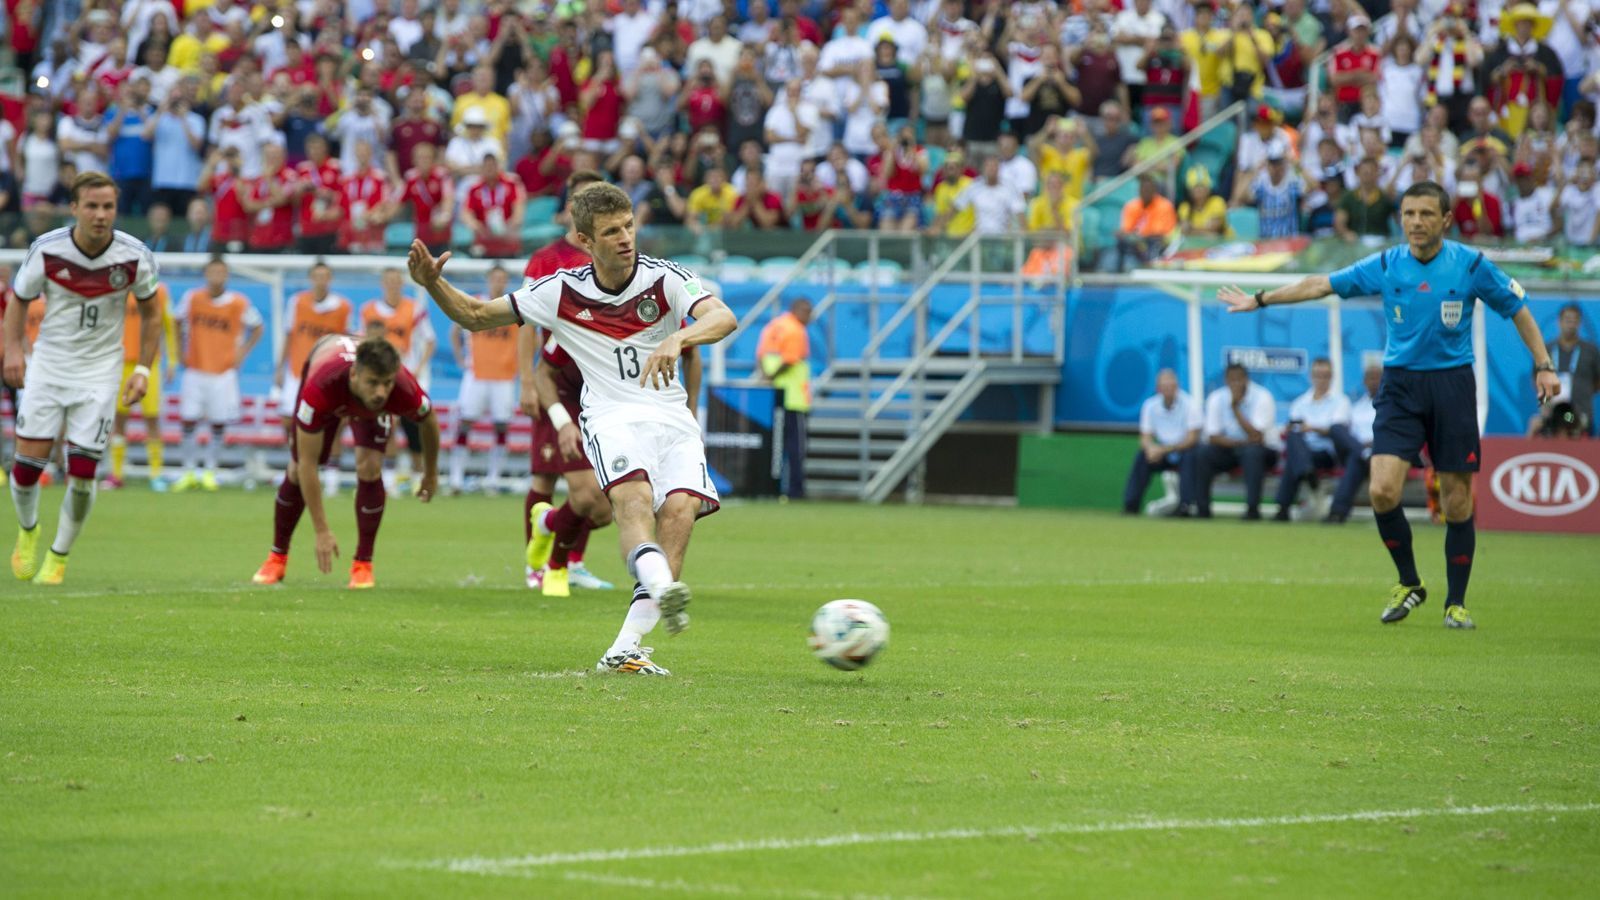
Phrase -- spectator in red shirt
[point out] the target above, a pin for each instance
(298, 65)
(759, 206)
(413, 128)
(317, 184)
(544, 170)
(810, 200)
(897, 175)
(703, 100)
(219, 178)
(602, 104)
(1354, 66)
(1099, 75)
(268, 200)
(1479, 215)
(494, 208)
(367, 204)
(432, 195)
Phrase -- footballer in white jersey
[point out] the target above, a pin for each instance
(82, 274)
(619, 319)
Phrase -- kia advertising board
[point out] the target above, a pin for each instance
(1540, 485)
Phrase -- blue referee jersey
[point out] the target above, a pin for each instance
(1428, 305)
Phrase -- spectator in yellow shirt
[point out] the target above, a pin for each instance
(1250, 51)
(1064, 146)
(1052, 210)
(1206, 45)
(711, 203)
(199, 38)
(482, 96)
(952, 179)
(1203, 214)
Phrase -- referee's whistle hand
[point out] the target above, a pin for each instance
(1548, 385)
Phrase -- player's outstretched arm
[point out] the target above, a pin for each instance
(1546, 383)
(1311, 287)
(463, 309)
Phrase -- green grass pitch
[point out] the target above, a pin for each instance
(1071, 704)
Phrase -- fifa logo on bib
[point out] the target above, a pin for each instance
(1450, 313)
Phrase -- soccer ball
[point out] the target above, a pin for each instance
(847, 634)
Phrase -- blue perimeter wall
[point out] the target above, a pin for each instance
(1117, 338)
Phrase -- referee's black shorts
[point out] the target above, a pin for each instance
(1436, 409)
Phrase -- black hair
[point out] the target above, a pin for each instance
(378, 356)
(1428, 189)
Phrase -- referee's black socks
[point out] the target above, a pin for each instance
(1396, 533)
(1460, 541)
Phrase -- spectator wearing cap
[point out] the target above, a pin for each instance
(496, 108)
(463, 156)
(1166, 77)
(1523, 70)
(1148, 221)
(1277, 192)
(1354, 65)
(1064, 146)
(1205, 46)
(1533, 210)
(1265, 136)
(1202, 213)
(1479, 213)
(1160, 141)
(1367, 210)
(493, 209)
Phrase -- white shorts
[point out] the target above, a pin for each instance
(289, 396)
(209, 397)
(497, 399)
(672, 457)
(86, 411)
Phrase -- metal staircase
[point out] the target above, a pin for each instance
(972, 322)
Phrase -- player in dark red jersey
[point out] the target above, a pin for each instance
(547, 462)
(362, 382)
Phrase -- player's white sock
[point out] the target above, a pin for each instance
(497, 456)
(214, 448)
(458, 466)
(191, 448)
(648, 564)
(26, 499)
(75, 508)
(641, 620)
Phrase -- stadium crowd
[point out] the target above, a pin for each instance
(314, 124)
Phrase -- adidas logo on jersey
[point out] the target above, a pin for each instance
(585, 316)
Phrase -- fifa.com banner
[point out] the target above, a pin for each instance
(1540, 485)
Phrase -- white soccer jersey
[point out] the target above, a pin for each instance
(611, 335)
(80, 337)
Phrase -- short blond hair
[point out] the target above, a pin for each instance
(86, 181)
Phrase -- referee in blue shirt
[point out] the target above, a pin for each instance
(1428, 396)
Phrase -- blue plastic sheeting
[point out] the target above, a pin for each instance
(1118, 338)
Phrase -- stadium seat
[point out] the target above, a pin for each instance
(842, 270)
(460, 236)
(737, 268)
(694, 262)
(542, 210)
(398, 235)
(538, 233)
(1245, 222)
(776, 268)
(1091, 232)
(885, 272)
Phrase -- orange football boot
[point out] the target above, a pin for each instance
(361, 575)
(271, 571)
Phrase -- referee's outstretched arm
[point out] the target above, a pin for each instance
(1311, 287)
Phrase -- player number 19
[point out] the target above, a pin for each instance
(88, 315)
(627, 362)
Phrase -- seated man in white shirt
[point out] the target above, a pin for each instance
(1241, 429)
(1318, 437)
(1358, 460)
(1169, 430)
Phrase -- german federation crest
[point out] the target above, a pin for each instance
(119, 278)
(649, 311)
(1450, 313)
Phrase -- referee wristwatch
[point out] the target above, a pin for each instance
(1544, 367)
(1261, 299)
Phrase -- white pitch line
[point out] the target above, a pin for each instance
(477, 865)
(704, 888)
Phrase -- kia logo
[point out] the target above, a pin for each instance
(1545, 484)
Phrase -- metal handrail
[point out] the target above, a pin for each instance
(918, 297)
(1106, 189)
